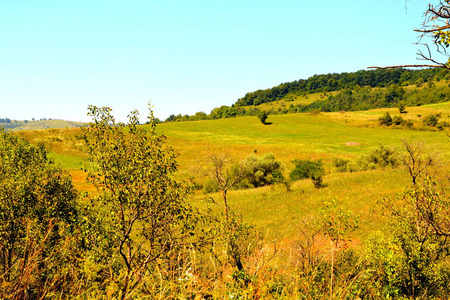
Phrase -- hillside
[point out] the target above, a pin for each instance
(362, 90)
(15, 125)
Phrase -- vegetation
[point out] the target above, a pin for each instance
(137, 228)
(260, 171)
(113, 247)
(308, 169)
(381, 157)
(142, 220)
(361, 90)
(38, 217)
(262, 116)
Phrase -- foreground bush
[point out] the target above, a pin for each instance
(38, 218)
(142, 220)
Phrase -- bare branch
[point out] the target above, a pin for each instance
(436, 26)
(410, 66)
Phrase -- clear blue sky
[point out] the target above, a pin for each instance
(59, 56)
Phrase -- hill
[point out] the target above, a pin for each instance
(362, 90)
(15, 125)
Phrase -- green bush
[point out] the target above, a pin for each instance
(386, 119)
(412, 256)
(431, 120)
(308, 169)
(398, 120)
(383, 157)
(259, 171)
(38, 220)
(379, 158)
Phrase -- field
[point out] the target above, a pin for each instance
(304, 136)
(299, 245)
(295, 136)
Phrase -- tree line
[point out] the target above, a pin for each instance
(355, 92)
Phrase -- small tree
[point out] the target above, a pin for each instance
(401, 107)
(417, 160)
(337, 224)
(226, 174)
(262, 116)
(140, 206)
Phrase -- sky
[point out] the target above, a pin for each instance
(57, 57)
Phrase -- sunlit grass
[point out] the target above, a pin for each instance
(279, 213)
(272, 209)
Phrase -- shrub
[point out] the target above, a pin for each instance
(308, 169)
(341, 164)
(379, 158)
(398, 120)
(383, 157)
(38, 217)
(260, 171)
(386, 119)
(411, 258)
(431, 120)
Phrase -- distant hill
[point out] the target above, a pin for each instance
(361, 90)
(15, 125)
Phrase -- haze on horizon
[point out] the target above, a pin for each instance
(58, 57)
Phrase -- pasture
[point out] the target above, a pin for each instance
(294, 136)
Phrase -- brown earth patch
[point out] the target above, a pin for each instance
(352, 144)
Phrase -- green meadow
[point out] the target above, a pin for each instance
(292, 136)
(303, 136)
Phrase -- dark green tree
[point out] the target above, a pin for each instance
(401, 107)
(262, 116)
(431, 120)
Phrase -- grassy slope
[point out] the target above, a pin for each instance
(289, 136)
(302, 136)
